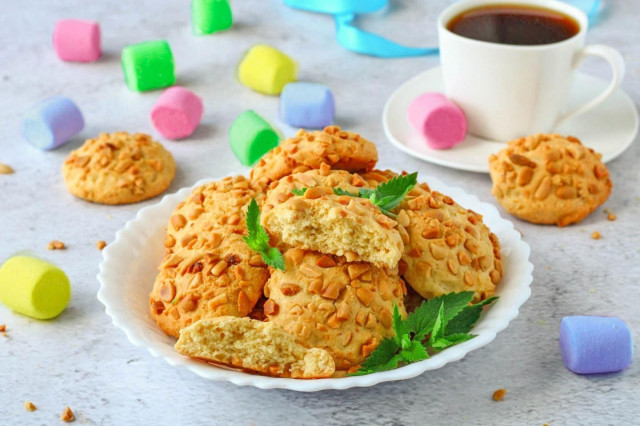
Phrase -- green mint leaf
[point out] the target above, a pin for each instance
(422, 320)
(299, 191)
(382, 358)
(390, 193)
(438, 326)
(273, 258)
(399, 325)
(258, 239)
(464, 321)
(340, 191)
(365, 192)
(450, 340)
(415, 352)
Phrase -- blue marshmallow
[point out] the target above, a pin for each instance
(52, 123)
(591, 344)
(308, 105)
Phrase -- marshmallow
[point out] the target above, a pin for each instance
(177, 113)
(52, 123)
(265, 69)
(148, 65)
(34, 287)
(75, 40)
(308, 105)
(210, 16)
(439, 120)
(250, 137)
(591, 344)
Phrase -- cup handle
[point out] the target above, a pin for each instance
(616, 62)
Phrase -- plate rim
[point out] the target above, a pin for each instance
(455, 353)
(481, 169)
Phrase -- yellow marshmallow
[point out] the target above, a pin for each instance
(34, 287)
(267, 70)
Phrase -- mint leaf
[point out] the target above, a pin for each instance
(415, 352)
(438, 326)
(422, 320)
(387, 195)
(399, 326)
(340, 191)
(466, 319)
(258, 239)
(299, 191)
(381, 359)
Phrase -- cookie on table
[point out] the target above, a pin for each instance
(549, 179)
(447, 248)
(208, 269)
(119, 168)
(338, 149)
(258, 346)
(329, 303)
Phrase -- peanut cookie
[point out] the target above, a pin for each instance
(208, 270)
(447, 247)
(549, 179)
(329, 223)
(327, 302)
(336, 224)
(119, 168)
(309, 150)
(254, 345)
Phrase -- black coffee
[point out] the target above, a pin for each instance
(514, 24)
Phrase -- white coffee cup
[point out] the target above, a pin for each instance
(510, 91)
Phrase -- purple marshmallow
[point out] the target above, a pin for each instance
(52, 123)
(308, 105)
(592, 344)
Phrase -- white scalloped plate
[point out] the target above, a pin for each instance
(128, 270)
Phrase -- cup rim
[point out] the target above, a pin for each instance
(460, 6)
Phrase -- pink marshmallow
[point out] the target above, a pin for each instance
(177, 113)
(439, 120)
(75, 40)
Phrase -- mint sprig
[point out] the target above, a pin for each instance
(446, 320)
(388, 195)
(258, 239)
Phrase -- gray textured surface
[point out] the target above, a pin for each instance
(81, 360)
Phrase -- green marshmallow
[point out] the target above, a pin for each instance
(210, 16)
(34, 287)
(250, 137)
(148, 66)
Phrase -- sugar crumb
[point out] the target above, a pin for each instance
(596, 235)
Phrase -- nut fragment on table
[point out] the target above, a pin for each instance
(499, 394)
(5, 169)
(30, 406)
(56, 245)
(101, 244)
(67, 415)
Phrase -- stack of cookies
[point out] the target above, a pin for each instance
(346, 263)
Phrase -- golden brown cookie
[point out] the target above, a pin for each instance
(326, 302)
(333, 147)
(209, 270)
(119, 168)
(447, 247)
(321, 221)
(549, 179)
(258, 346)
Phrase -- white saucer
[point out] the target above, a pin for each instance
(609, 128)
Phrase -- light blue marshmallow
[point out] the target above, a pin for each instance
(308, 105)
(52, 123)
(592, 344)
